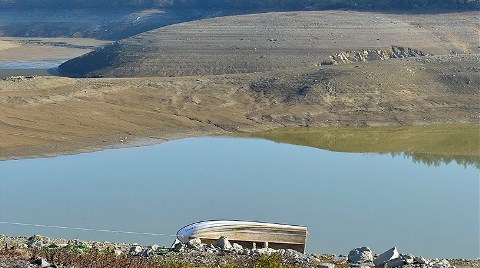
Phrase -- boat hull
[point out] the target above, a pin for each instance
(248, 234)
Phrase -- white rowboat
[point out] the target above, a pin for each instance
(248, 234)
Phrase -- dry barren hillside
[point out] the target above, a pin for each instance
(275, 41)
(52, 115)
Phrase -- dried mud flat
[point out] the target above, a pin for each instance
(38, 49)
(44, 116)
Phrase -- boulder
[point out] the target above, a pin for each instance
(386, 256)
(179, 247)
(41, 262)
(420, 260)
(326, 265)
(154, 247)
(148, 252)
(237, 247)
(408, 258)
(223, 243)
(38, 241)
(135, 250)
(176, 246)
(210, 249)
(195, 243)
(294, 255)
(360, 255)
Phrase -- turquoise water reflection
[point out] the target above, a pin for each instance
(24, 65)
(346, 200)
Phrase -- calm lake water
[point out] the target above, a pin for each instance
(17, 68)
(346, 199)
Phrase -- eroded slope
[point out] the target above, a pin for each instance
(274, 41)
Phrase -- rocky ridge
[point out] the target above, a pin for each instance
(365, 55)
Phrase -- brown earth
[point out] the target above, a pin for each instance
(52, 115)
(38, 49)
(275, 41)
(280, 80)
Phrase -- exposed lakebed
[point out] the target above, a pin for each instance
(346, 199)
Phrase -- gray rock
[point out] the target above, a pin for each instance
(135, 250)
(154, 247)
(178, 247)
(420, 260)
(38, 241)
(41, 262)
(176, 244)
(148, 252)
(237, 247)
(340, 259)
(294, 255)
(360, 255)
(246, 251)
(223, 243)
(394, 263)
(439, 264)
(195, 243)
(326, 265)
(118, 252)
(263, 251)
(408, 258)
(362, 265)
(386, 256)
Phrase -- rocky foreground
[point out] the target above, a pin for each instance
(39, 251)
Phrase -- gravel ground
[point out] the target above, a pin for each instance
(39, 251)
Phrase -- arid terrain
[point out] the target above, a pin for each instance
(38, 49)
(276, 41)
(246, 73)
(44, 116)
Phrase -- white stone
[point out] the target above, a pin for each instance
(420, 260)
(237, 247)
(386, 256)
(41, 262)
(363, 254)
(263, 251)
(195, 243)
(409, 259)
(223, 243)
(154, 247)
(135, 250)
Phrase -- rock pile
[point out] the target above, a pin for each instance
(364, 257)
(366, 55)
(195, 251)
(18, 78)
(361, 257)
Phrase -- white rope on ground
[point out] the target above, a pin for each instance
(83, 229)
